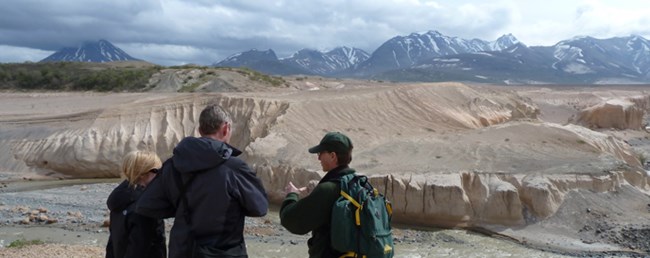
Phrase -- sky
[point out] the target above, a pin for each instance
(176, 32)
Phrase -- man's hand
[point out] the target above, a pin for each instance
(290, 188)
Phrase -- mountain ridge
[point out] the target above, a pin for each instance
(305, 61)
(433, 56)
(100, 51)
(405, 51)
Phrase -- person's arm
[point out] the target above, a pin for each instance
(250, 191)
(301, 216)
(109, 248)
(141, 235)
(155, 201)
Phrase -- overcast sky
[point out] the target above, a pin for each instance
(174, 32)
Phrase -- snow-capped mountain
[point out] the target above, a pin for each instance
(503, 42)
(581, 60)
(330, 62)
(248, 58)
(432, 56)
(264, 61)
(405, 52)
(627, 56)
(305, 61)
(92, 51)
(348, 57)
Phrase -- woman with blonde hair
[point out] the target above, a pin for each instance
(131, 234)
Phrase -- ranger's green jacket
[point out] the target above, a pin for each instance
(313, 213)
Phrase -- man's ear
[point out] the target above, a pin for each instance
(225, 128)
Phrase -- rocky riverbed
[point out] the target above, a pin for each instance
(69, 217)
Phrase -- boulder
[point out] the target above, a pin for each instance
(618, 114)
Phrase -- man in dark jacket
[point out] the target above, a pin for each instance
(209, 217)
(313, 213)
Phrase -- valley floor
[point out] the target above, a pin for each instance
(78, 206)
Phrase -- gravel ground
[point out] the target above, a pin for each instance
(69, 216)
(53, 250)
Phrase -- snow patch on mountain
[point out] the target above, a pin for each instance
(576, 68)
(99, 51)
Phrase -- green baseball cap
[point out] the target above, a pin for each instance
(333, 142)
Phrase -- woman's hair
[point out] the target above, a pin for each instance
(137, 164)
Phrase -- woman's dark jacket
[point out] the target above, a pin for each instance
(131, 234)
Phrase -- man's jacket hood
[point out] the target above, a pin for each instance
(195, 154)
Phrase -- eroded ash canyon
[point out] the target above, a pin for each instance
(536, 164)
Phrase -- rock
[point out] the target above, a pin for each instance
(540, 195)
(21, 209)
(106, 223)
(613, 113)
(42, 210)
(75, 214)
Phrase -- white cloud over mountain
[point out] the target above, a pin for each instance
(200, 31)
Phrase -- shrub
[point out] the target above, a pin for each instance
(20, 243)
(642, 158)
(74, 76)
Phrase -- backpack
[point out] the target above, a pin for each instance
(360, 225)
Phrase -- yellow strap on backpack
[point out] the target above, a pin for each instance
(351, 254)
(352, 200)
(357, 217)
(389, 208)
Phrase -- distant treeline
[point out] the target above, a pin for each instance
(75, 76)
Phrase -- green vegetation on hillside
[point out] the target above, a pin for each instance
(257, 76)
(112, 77)
(75, 76)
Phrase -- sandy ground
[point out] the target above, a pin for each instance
(78, 206)
(401, 136)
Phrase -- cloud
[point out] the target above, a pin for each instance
(179, 29)
(12, 54)
(170, 54)
(600, 20)
(550, 21)
(50, 25)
